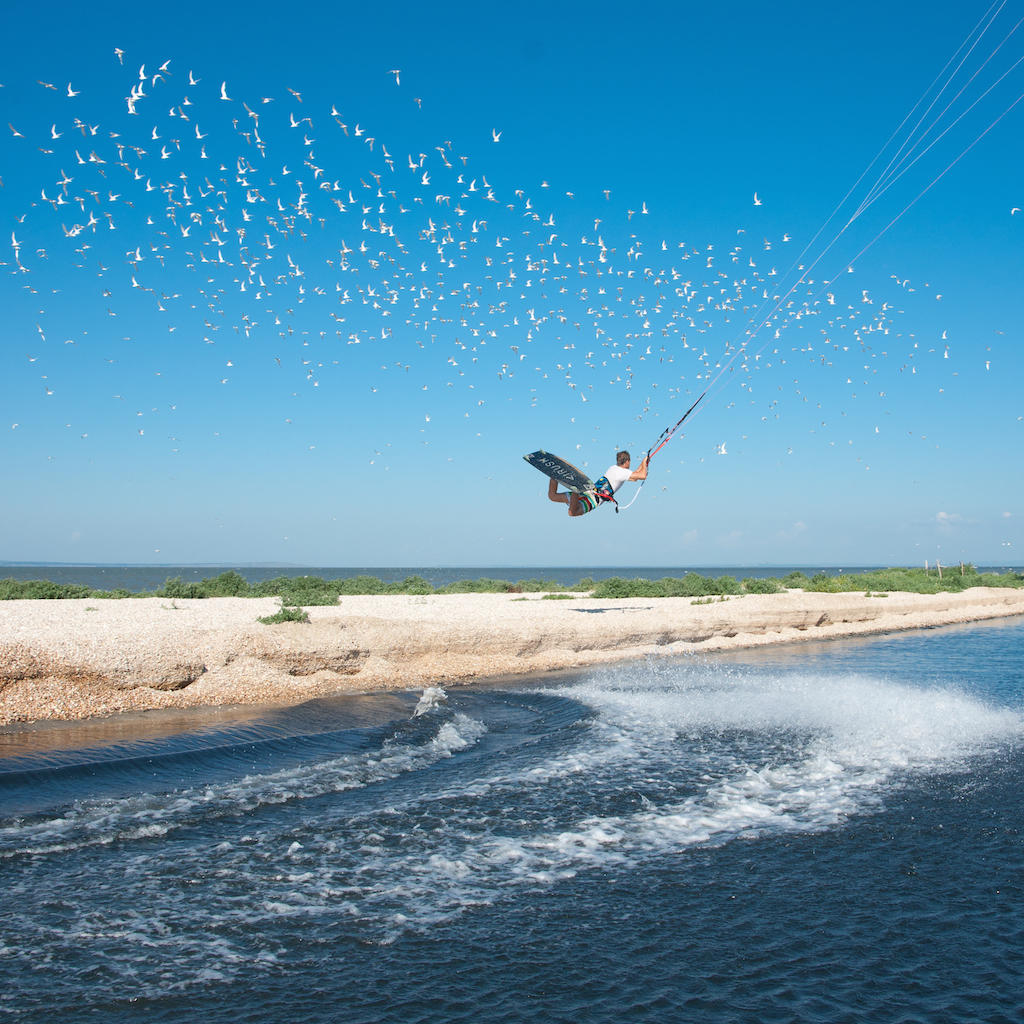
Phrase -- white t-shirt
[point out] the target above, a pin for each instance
(617, 476)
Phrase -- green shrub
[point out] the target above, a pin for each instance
(762, 586)
(41, 590)
(270, 588)
(174, 587)
(480, 586)
(995, 579)
(411, 585)
(535, 586)
(360, 585)
(797, 581)
(820, 581)
(285, 615)
(616, 587)
(613, 587)
(728, 585)
(690, 585)
(227, 584)
(309, 597)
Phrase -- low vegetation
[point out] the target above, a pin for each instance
(913, 581)
(285, 614)
(690, 585)
(307, 591)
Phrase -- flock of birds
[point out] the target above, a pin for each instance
(263, 235)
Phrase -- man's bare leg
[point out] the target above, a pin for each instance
(572, 499)
(555, 495)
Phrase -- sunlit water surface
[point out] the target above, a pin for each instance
(826, 832)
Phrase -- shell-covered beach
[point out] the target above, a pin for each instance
(75, 659)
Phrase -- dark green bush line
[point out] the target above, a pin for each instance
(690, 585)
(304, 591)
(293, 590)
(914, 581)
(44, 590)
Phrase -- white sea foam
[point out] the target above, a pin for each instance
(815, 751)
(847, 739)
(670, 758)
(859, 718)
(149, 815)
(432, 698)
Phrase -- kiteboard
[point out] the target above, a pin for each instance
(558, 469)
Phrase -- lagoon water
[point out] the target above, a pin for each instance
(823, 832)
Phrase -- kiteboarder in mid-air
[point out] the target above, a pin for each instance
(604, 487)
(583, 495)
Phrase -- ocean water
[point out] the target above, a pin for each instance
(824, 832)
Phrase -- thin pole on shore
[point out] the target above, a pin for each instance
(939, 567)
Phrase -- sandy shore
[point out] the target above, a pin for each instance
(76, 659)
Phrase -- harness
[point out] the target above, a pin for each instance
(603, 491)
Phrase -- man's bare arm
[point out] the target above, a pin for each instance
(641, 473)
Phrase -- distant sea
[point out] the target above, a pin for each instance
(136, 578)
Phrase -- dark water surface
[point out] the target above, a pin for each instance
(826, 832)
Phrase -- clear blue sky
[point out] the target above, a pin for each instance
(236, 329)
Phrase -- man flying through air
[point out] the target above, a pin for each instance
(604, 487)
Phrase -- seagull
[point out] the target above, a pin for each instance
(496, 135)
(757, 202)
(1016, 209)
(224, 91)
(396, 72)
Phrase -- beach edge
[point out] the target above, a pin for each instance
(76, 659)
